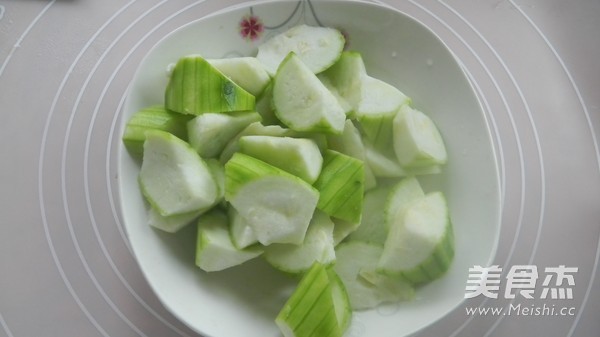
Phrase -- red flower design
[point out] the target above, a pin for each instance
(251, 27)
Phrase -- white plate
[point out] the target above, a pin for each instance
(244, 301)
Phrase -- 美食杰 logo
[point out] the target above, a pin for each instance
(528, 282)
(558, 282)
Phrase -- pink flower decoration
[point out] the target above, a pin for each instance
(251, 27)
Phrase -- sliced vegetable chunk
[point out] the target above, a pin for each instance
(173, 177)
(373, 101)
(346, 106)
(218, 173)
(319, 307)
(264, 106)
(342, 229)
(387, 166)
(302, 102)
(400, 198)
(214, 249)
(278, 205)
(247, 72)
(318, 246)
(298, 156)
(341, 186)
(242, 234)
(372, 225)
(382, 165)
(256, 128)
(154, 117)
(417, 141)
(420, 244)
(346, 77)
(366, 288)
(196, 87)
(350, 142)
(318, 47)
(171, 223)
(209, 133)
(378, 105)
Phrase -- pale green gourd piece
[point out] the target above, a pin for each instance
(318, 307)
(298, 156)
(196, 87)
(318, 246)
(209, 133)
(355, 264)
(417, 141)
(420, 245)
(173, 177)
(341, 186)
(276, 204)
(247, 72)
(317, 47)
(214, 249)
(154, 117)
(302, 102)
